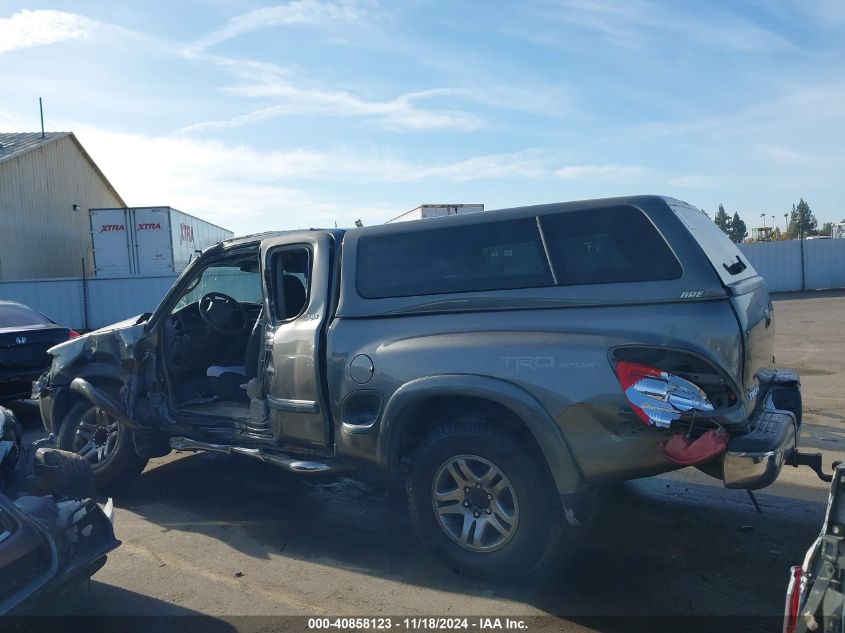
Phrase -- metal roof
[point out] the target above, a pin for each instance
(14, 144)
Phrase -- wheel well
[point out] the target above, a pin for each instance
(71, 398)
(439, 410)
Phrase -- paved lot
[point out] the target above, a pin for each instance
(203, 534)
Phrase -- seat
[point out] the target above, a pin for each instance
(228, 382)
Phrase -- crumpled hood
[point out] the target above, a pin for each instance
(117, 339)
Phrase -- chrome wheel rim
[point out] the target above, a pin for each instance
(475, 503)
(96, 437)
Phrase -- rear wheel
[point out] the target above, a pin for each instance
(104, 443)
(482, 501)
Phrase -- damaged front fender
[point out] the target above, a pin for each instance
(95, 366)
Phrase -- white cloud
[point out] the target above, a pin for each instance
(309, 12)
(612, 172)
(247, 190)
(633, 23)
(299, 96)
(27, 28)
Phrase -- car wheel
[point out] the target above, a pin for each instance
(482, 500)
(104, 443)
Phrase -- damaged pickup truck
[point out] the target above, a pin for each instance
(506, 363)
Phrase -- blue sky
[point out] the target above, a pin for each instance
(260, 116)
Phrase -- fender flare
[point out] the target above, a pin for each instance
(548, 435)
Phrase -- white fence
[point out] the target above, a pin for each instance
(89, 303)
(95, 302)
(786, 267)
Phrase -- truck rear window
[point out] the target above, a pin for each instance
(609, 245)
(485, 256)
(730, 264)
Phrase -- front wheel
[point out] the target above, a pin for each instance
(104, 443)
(482, 501)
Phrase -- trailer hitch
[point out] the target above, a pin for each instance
(814, 460)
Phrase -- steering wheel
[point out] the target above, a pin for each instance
(222, 313)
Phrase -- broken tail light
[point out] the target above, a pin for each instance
(657, 397)
(72, 334)
(793, 599)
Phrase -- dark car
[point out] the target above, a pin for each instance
(25, 337)
(53, 535)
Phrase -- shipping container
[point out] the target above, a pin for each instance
(435, 211)
(148, 240)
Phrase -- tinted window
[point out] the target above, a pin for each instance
(292, 272)
(13, 315)
(726, 258)
(599, 246)
(467, 258)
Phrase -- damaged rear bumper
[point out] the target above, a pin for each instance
(754, 460)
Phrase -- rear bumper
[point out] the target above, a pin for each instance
(754, 460)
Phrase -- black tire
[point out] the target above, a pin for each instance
(66, 474)
(539, 519)
(123, 465)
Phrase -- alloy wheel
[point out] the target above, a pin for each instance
(475, 503)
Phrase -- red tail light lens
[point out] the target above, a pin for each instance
(630, 374)
(73, 334)
(657, 397)
(793, 599)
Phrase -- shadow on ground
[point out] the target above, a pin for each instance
(657, 547)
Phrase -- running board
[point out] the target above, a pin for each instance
(290, 464)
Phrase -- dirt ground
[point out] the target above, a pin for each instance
(203, 534)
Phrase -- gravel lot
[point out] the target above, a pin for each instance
(203, 534)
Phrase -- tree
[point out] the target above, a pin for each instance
(358, 223)
(737, 230)
(827, 229)
(802, 222)
(723, 220)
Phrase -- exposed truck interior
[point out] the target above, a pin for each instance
(212, 342)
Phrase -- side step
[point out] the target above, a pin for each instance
(291, 464)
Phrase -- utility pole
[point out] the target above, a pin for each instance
(41, 110)
(763, 215)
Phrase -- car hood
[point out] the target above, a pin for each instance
(117, 340)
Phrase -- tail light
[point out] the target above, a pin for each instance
(73, 334)
(793, 599)
(657, 397)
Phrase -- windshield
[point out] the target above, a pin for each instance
(229, 278)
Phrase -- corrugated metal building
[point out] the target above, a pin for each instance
(47, 186)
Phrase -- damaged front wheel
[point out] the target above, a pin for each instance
(104, 443)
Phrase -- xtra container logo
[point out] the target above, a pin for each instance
(110, 228)
(149, 226)
(187, 232)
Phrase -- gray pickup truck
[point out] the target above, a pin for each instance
(506, 363)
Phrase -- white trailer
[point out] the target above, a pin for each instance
(838, 231)
(148, 240)
(435, 211)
